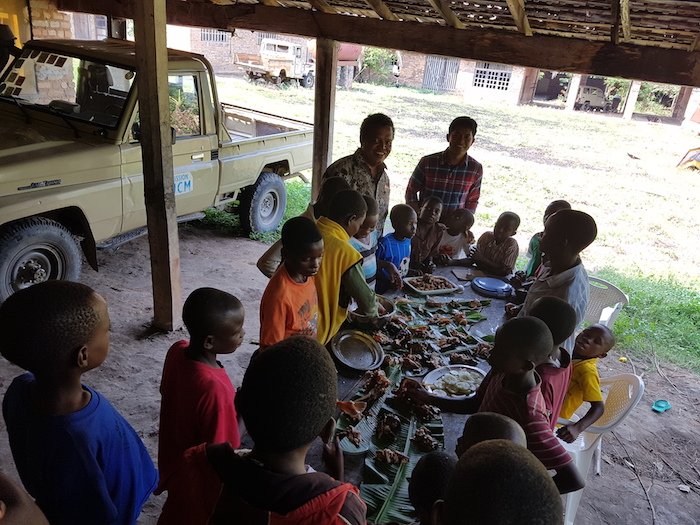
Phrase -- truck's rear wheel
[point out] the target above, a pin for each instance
(35, 250)
(263, 204)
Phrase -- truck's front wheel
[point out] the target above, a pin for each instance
(307, 80)
(35, 250)
(263, 204)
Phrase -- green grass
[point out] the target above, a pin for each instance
(621, 172)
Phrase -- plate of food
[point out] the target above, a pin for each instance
(430, 284)
(357, 350)
(454, 381)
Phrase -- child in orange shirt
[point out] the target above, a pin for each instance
(289, 305)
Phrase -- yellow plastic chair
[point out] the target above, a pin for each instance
(623, 393)
(605, 302)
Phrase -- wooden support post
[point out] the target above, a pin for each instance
(572, 92)
(116, 27)
(680, 105)
(157, 154)
(324, 109)
(527, 91)
(631, 101)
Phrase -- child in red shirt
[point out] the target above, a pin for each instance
(560, 318)
(197, 404)
(289, 305)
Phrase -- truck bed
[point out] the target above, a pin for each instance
(243, 123)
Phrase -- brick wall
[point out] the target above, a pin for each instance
(412, 67)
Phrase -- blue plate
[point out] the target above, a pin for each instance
(491, 287)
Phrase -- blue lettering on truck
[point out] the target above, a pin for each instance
(183, 183)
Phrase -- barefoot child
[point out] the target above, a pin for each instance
(340, 276)
(197, 403)
(394, 250)
(457, 239)
(289, 305)
(426, 241)
(533, 248)
(76, 455)
(365, 241)
(497, 251)
(591, 344)
(287, 400)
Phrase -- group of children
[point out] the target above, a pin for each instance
(83, 463)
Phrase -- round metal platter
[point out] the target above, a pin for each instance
(434, 375)
(357, 350)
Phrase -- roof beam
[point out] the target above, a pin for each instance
(270, 3)
(625, 19)
(379, 7)
(443, 8)
(517, 11)
(695, 46)
(670, 66)
(323, 6)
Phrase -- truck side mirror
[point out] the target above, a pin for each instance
(173, 135)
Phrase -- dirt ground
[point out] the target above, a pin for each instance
(664, 450)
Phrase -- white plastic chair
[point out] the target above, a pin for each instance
(605, 302)
(623, 393)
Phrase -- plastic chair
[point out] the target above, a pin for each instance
(623, 393)
(605, 302)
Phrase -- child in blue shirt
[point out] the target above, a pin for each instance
(394, 249)
(76, 455)
(365, 241)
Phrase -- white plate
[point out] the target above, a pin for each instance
(433, 376)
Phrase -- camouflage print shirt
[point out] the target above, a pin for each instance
(356, 172)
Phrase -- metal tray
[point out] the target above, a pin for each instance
(357, 350)
(409, 282)
(436, 374)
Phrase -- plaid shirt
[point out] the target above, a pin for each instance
(457, 186)
(356, 172)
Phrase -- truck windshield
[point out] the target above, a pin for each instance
(76, 88)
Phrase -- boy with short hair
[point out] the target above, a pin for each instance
(591, 344)
(340, 277)
(497, 251)
(496, 483)
(287, 400)
(457, 239)
(426, 241)
(365, 241)
(485, 426)
(76, 455)
(197, 403)
(533, 248)
(272, 258)
(555, 372)
(428, 482)
(513, 388)
(394, 250)
(566, 234)
(289, 305)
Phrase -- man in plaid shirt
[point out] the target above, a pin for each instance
(451, 175)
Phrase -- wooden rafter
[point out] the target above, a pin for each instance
(442, 7)
(379, 7)
(517, 11)
(556, 53)
(615, 19)
(323, 6)
(270, 3)
(695, 46)
(625, 19)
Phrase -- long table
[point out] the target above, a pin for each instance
(350, 381)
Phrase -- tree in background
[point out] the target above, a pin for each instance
(378, 63)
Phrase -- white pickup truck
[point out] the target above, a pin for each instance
(71, 175)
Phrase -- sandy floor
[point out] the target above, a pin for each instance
(664, 449)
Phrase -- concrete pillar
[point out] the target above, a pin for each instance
(632, 99)
(572, 92)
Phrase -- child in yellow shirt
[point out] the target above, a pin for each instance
(584, 386)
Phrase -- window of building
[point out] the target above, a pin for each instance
(265, 34)
(214, 35)
(492, 76)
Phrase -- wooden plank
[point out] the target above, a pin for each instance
(270, 3)
(615, 20)
(446, 13)
(631, 100)
(695, 46)
(324, 109)
(157, 153)
(625, 19)
(323, 6)
(574, 55)
(572, 92)
(517, 11)
(379, 7)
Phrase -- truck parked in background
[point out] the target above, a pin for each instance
(278, 61)
(71, 175)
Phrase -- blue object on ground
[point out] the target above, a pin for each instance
(661, 406)
(491, 287)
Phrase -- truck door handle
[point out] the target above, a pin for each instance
(198, 156)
